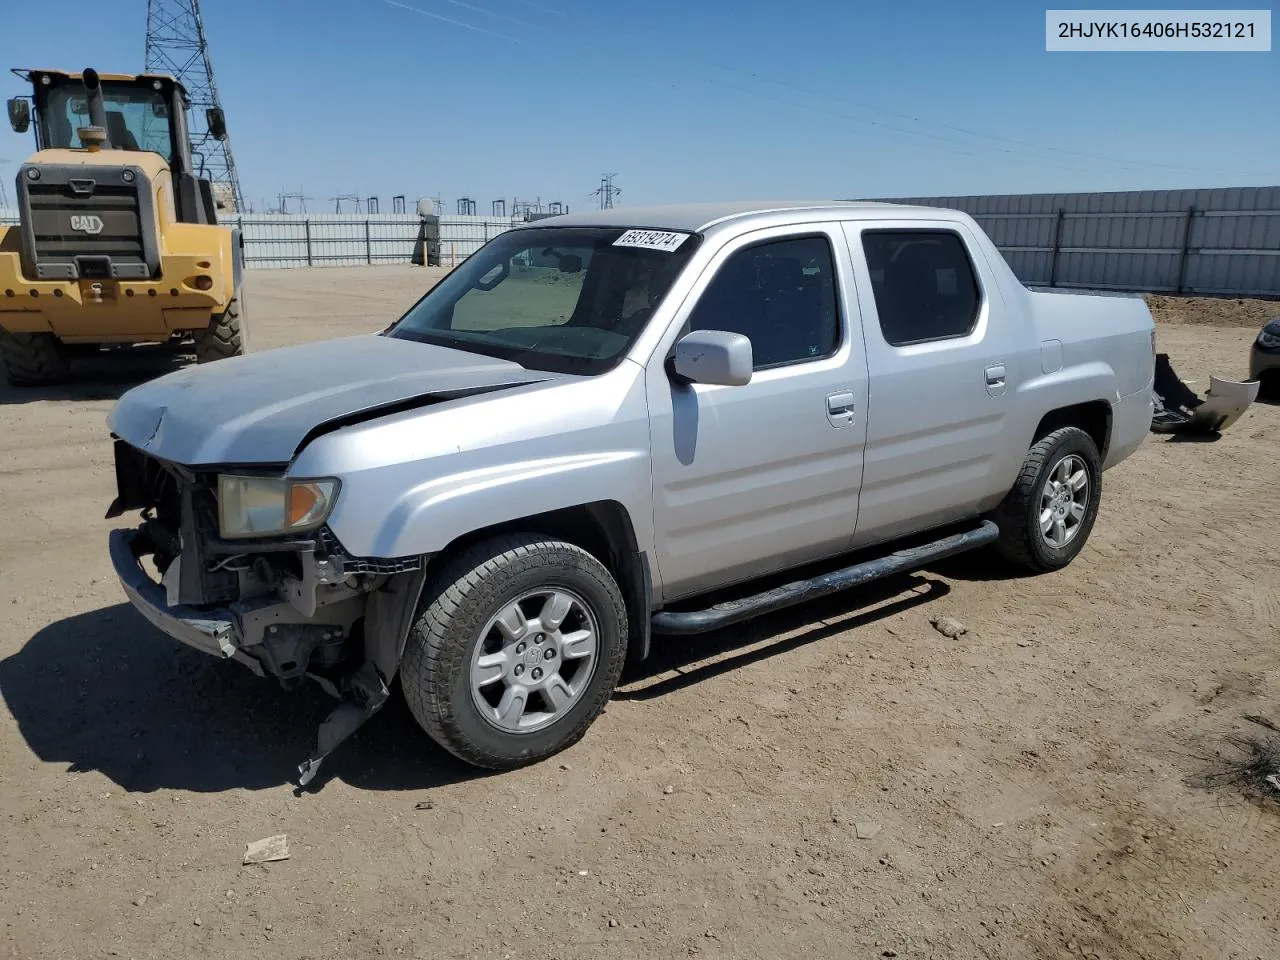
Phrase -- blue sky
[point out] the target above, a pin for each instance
(683, 99)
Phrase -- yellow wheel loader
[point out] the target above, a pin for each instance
(118, 241)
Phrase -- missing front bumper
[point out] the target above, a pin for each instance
(361, 689)
(213, 634)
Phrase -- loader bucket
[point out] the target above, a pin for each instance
(1180, 410)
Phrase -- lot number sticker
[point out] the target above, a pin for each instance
(652, 240)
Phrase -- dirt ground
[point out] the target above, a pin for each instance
(1032, 781)
(1215, 311)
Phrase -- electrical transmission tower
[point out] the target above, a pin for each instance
(606, 191)
(176, 45)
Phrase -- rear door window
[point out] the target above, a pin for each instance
(924, 284)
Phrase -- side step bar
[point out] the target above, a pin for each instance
(798, 591)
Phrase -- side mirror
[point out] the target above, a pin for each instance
(19, 115)
(216, 122)
(713, 356)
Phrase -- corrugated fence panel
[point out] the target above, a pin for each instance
(1138, 241)
(274, 241)
(1223, 241)
(461, 236)
(300, 240)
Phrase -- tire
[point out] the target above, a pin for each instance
(1022, 541)
(446, 688)
(33, 359)
(225, 335)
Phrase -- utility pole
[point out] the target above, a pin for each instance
(176, 45)
(606, 191)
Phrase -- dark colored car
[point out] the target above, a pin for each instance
(1264, 361)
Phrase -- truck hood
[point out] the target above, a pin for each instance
(263, 407)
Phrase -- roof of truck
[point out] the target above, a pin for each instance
(696, 217)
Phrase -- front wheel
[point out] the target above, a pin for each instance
(515, 651)
(1046, 518)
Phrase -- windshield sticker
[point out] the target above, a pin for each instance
(652, 240)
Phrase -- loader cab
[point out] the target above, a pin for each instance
(142, 113)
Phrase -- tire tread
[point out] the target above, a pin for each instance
(433, 654)
(1015, 544)
(33, 359)
(223, 338)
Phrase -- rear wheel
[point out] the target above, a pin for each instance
(33, 359)
(1046, 518)
(515, 651)
(225, 335)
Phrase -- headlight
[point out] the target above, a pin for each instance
(1271, 341)
(269, 506)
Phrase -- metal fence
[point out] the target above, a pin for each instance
(1223, 242)
(275, 240)
(315, 240)
(312, 240)
(1219, 242)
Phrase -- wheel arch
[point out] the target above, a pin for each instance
(1093, 417)
(604, 529)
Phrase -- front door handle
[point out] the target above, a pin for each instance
(839, 403)
(840, 408)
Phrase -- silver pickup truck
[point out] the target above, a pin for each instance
(609, 424)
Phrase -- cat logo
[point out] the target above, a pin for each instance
(87, 224)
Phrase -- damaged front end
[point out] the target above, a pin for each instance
(292, 607)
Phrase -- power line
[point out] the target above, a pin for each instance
(980, 135)
(498, 16)
(459, 23)
(754, 94)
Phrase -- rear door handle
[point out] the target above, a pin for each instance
(995, 375)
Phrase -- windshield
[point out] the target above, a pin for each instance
(137, 117)
(563, 299)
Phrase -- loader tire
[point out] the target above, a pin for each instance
(33, 359)
(225, 335)
(1047, 517)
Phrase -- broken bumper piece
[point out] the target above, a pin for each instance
(361, 693)
(211, 633)
(1179, 410)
